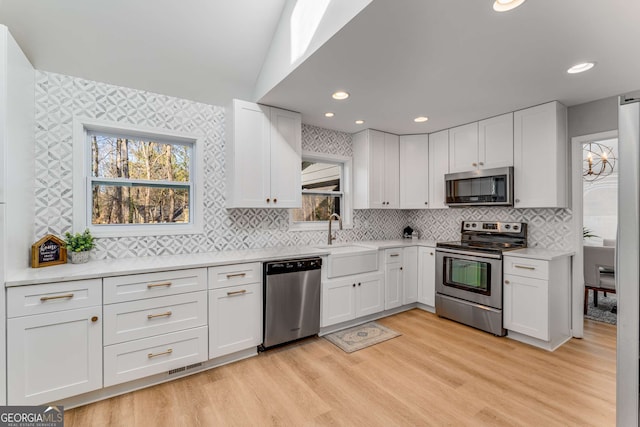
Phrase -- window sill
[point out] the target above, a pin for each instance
(143, 230)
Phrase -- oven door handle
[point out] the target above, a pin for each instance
(469, 253)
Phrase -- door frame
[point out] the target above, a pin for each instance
(577, 306)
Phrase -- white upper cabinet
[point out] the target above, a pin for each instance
(438, 167)
(263, 155)
(414, 171)
(376, 165)
(495, 142)
(482, 145)
(463, 148)
(540, 157)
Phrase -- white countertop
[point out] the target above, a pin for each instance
(539, 253)
(122, 266)
(119, 267)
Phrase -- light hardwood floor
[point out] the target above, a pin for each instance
(437, 373)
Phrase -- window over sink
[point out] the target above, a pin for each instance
(326, 189)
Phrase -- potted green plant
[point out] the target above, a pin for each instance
(78, 246)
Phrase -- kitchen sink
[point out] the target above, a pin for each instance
(348, 259)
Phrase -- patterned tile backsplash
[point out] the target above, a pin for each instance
(59, 98)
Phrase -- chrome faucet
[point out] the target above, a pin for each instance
(336, 216)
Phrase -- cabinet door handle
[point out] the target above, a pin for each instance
(394, 255)
(506, 282)
(268, 200)
(400, 268)
(524, 267)
(94, 319)
(431, 253)
(243, 291)
(481, 163)
(44, 299)
(275, 200)
(229, 276)
(359, 284)
(157, 285)
(151, 355)
(474, 164)
(426, 203)
(153, 316)
(517, 200)
(354, 285)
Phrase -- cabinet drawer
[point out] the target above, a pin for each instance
(237, 274)
(50, 297)
(526, 267)
(392, 255)
(140, 286)
(141, 319)
(141, 358)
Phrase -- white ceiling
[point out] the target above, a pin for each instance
(459, 61)
(455, 61)
(204, 50)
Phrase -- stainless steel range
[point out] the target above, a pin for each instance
(469, 273)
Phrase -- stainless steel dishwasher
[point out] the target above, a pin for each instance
(291, 300)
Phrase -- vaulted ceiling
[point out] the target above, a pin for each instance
(453, 61)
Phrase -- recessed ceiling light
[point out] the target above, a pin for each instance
(329, 114)
(340, 95)
(359, 122)
(579, 68)
(505, 5)
(421, 119)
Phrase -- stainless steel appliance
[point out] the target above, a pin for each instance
(628, 260)
(469, 273)
(483, 187)
(291, 300)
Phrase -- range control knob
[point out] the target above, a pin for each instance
(507, 226)
(467, 225)
(516, 227)
(474, 225)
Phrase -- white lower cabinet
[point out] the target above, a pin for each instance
(526, 306)
(392, 261)
(235, 319)
(537, 300)
(155, 324)
(351, 297)
(427, 276)
(410, 275)
(56, 354)
(144, 357)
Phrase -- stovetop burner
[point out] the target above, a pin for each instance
(494, 237)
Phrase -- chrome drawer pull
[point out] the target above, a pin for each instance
(244, 291)
(151, 355)
(229, 276)
(43, 299)
(394, 255)
(524, 267)
(155, 285)
(153, 316)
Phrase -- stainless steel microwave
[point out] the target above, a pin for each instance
(483, 187)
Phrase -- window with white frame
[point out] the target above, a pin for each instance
(325, 191)
(134, 181)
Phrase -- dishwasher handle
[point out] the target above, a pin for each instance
(292, 266)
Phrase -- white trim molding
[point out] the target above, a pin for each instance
(82, 187)
(347, 193)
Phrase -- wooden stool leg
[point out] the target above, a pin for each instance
(586, 299)
(595, 298)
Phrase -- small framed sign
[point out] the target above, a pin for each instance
(49, 250)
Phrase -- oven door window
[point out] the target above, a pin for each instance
(470, 275)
